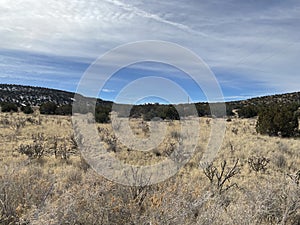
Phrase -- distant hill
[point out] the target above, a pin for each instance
(267, 100)
(279, 98)
(34, 96)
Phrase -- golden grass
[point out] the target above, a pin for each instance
(64, 190)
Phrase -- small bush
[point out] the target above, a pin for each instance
(20, 192)
(258, 163)
(102, 117)
(220, 178)
(64, 110)
(102, 114)
(280, 161)
(9, 107)
(27, 109)
(48, 108)
(34, 150)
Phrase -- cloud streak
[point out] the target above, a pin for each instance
(243, 42)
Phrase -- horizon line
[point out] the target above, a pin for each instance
(188, 101)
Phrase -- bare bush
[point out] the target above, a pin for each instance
(20, 192)
(34, 150)
(275, 203)
(295, 177)
(280, 161)
(258, 163)
(220, 177)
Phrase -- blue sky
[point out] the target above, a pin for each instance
(252, 47)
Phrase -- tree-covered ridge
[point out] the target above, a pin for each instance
(277, 114)
(253, 104)
(33, 96)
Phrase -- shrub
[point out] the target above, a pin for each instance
(280, 161)
(258, 163)
(278, 121)
(222, 176)
(27, 109)
(22, 191)
(102, 117)
(248, 112)
(102, 114)
(9, 107)
(170, 113)
(34, 150)
(48, 108)
(64, 110)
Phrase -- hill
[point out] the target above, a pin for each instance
(34, 96)
(267, 100)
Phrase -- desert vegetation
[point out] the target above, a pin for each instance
(277, 114)
(44, 179)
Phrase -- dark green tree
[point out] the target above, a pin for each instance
(278, 120)
(169, 112)
(9, 107)
(229, 110)
(203, 109)
(248, 111)
(102, 117)
(27, 109)
(48, 108)
(64, 110)
(102, 114)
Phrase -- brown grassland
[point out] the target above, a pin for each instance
(44, 180)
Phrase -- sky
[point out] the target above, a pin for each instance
(251, 47)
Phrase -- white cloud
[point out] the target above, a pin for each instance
(108, 90)
(258, 40)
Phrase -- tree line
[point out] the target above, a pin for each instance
(272, 119)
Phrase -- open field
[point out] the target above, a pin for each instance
(44, 180)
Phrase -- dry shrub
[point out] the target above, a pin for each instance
(20, 191)
(57, 192)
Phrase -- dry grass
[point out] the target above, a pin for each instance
(58, 187)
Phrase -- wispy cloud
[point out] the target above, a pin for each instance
(148, 15)
(108, 90)
(246, 43)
